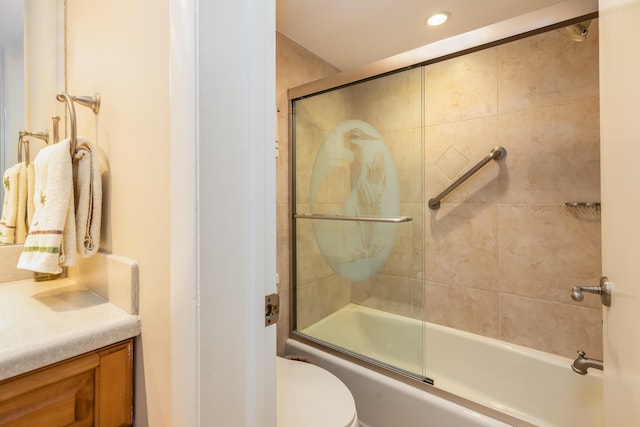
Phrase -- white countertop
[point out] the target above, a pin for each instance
(46, 322)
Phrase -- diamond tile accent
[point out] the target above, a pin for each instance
(451, 163)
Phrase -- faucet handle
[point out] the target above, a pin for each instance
(604, 290)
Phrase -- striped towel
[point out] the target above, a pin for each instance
(51, 240)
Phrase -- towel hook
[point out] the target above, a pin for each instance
(92, 102)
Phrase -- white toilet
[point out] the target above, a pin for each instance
(309, 396)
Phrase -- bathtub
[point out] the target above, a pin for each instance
(476, 372)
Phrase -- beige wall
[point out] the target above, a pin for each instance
(503, 251)
(121, 50)
(44, 46)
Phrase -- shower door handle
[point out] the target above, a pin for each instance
(393, 220)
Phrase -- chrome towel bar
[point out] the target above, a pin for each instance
(23, 143)
(56, 129)
(495, 154)
(394, 220)
(92, 102)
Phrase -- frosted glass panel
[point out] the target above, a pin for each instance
(354, 175)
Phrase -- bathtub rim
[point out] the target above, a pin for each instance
(411, 380)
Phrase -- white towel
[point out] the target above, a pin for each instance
(21, 216)
(51, 240)
(10, 181)
(88, 197)
(31, 182)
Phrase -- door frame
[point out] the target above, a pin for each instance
(222, 64)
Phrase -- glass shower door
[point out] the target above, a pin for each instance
(358, 219)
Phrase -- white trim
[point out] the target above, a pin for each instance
(236, 203)
(184, 234)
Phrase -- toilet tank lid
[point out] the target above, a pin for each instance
(310, 396)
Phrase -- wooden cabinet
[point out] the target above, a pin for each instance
(94, 389)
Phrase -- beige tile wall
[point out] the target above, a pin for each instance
(503, 251)
(393, 105)
(295, 66)
(319, 290)
(501, 254)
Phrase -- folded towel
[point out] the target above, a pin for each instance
(88, 197)
(31, 182)
(10, 180)
(51, 239)
(21, 216)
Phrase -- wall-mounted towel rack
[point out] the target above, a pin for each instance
(92, 102)
(495, 154)
(394, 220)
(40, 135)
(56, 132)
(23, 144)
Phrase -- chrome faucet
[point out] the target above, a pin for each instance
(582, 363)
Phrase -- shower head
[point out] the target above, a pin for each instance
(576, 32)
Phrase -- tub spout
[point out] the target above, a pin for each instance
(582, 363)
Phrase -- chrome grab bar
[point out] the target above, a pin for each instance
(394, 220)
(495, 154)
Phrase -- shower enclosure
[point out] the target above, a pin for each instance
(496, 256)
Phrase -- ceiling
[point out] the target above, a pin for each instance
(352, 33)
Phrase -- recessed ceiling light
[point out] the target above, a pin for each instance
(438, 19)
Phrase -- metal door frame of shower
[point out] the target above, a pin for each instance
(389, 66)
(412, 59)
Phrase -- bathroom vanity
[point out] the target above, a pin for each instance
(66, 356)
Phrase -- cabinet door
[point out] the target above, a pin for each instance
(114, 386)
(60, 395)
